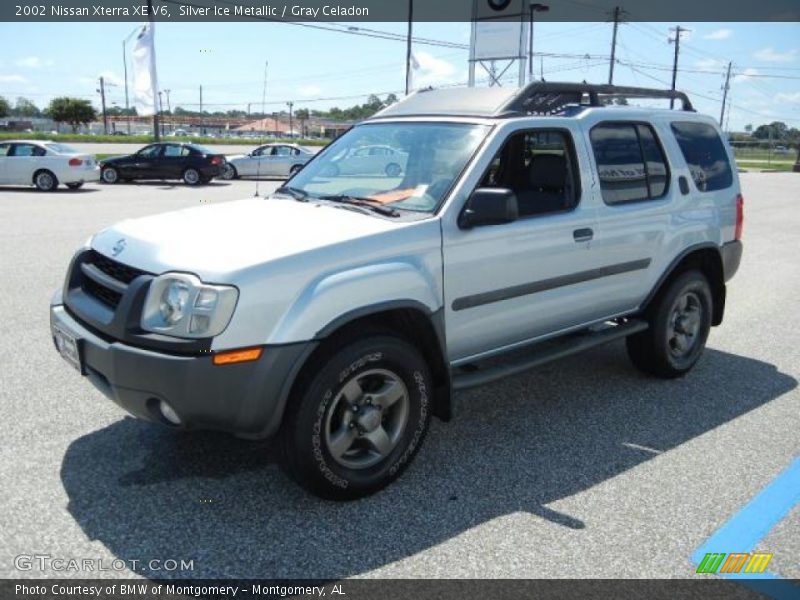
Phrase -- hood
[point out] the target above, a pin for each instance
(215, 240)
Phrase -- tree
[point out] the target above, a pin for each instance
(302, 115)
(74, 111)
(749, 128)
(4, 107)
(26, 108)
(777, 130)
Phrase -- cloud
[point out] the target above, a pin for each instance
(769, 54)
(747, 75)
(709, 64)
(792, 98)
(432, 71)
(719, 34)
(33, 62)
(12, 79)
(307, 91)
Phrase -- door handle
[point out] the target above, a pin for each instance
(583, 235)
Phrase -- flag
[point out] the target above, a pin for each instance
(145, 82)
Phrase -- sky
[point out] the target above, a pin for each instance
(317, 69)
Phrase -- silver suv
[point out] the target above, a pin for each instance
(342, 312)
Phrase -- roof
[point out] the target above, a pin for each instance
(538, 98)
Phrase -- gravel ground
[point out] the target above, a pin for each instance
(583, 468)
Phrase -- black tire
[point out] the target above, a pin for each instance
(191, 176)
(229, 172)
(75, 186)
(393, 170)
(295, 170)
(680, 320)
(320, 412)
(205, 180)
(45, 181)
(109, 175)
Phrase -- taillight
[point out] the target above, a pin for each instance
(739, 216)
(75, 162)
(216, 160)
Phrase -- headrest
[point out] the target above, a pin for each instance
(548, 171)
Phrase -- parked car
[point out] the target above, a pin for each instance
(166, 160)
(369, 160)
(340, 313)
(269, 160)
(45, 165)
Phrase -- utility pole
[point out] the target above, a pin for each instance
(161, 110)
(617, 14)
(156, 133)
(202, 129)
(677, 41)
(102, 91)
(725, 94)
(290, 105)
(169, 110)
(533, 8)
(125, 69)
(408, 46)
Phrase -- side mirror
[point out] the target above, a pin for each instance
(489, 206)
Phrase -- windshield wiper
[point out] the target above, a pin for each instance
(364, 203)
(296, 193)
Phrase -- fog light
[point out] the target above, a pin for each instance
(169, 414)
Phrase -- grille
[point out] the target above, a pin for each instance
(122, 273)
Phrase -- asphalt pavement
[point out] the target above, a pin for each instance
(583, 468)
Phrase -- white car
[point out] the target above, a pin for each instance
(369, 160)
(269, 160)
(45, 165)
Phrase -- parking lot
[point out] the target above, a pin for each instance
(583, 468)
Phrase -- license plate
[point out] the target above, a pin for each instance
(67, 346)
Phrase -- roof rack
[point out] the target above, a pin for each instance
(548, 98)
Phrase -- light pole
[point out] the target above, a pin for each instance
(290, 105)
(534, 8)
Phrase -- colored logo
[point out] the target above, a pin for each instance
(736, 562)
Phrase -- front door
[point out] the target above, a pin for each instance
(511, 283)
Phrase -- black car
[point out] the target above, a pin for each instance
(190, 162)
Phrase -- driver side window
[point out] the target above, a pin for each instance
(150, 151)
(539, 166)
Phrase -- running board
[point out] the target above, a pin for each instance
(551, 350)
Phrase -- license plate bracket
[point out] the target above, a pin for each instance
(68, 347)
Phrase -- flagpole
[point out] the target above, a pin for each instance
(156, 132)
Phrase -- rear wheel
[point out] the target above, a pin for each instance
(295, 170)
(75, 186)
(358, 419)
(680, 321)
(191, 176)
(45, 181)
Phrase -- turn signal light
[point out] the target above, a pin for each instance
(216, 160)
(75, 162)
(237, 356)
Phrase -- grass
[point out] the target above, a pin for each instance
(762, 166)
(146, 139)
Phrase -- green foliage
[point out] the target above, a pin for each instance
(4, 107)
(74, 111)
(147, 139)
(25, 108)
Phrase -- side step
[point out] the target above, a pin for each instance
(549, 351)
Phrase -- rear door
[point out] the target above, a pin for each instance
(173, 161)
(636, 200)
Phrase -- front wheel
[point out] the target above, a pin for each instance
(358, 418)
(680, 321)
(228, 172)
(191, 176)
(393, 170)
(109, 175)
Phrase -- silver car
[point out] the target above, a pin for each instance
(369, 160)
(269, 160)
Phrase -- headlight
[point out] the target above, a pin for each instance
(181, 305)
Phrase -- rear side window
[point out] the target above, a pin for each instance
(705, 154)
(630, 162)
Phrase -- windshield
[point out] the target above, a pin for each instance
(61, 148)
(408, 166)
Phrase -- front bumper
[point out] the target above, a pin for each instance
(246, 398)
